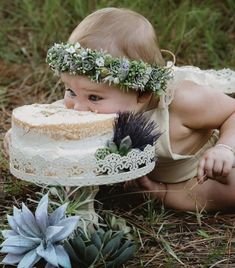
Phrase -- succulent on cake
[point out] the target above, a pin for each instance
(99, 249)
(38, 236)
(123, 149)
(131, 130)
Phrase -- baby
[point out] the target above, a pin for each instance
(196, 149)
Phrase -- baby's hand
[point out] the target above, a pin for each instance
(6, 142)
(215, 162)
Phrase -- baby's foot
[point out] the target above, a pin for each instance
(145, 185)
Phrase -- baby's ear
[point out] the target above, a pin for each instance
(144, 97)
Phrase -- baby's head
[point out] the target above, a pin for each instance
(123, 34)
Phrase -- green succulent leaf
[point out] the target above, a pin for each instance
(79, 245)
(126, 245)
(112, 147)
(101, 153)
(91, 254)
(101, 234)
(99, 249)
(107, 236)
(125, 146)
(126, 142)
(122, 258)
(96, 240)
(113, 244)
(71, 252)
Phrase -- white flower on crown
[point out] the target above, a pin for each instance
(100, 62)
(70, 50)
(77, 46)
(116, 80)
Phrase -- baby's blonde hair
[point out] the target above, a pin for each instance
(121, 32)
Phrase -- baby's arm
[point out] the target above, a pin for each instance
(201, 108)
(219, 160)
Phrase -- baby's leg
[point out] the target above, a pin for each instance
(191, 196)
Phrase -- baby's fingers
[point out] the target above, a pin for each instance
(208, 168)
(226, 168)
(200, 171)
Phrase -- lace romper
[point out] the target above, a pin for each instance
(172, 167)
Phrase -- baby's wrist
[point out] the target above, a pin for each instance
(225, 146)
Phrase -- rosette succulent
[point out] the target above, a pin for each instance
(38, 236)
(100, 249)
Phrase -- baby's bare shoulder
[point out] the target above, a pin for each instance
(202, 106)
(191, 96)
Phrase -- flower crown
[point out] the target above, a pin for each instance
(102, 67)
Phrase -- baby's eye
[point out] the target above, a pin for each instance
(71, 93)
(94, 98)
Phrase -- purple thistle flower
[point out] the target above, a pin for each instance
(141, 130)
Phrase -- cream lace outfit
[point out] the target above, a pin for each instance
(172, 167)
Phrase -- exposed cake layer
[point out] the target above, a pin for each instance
(60, 123)
(57, 140)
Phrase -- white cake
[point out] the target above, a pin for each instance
(54, 145)
(54, 142)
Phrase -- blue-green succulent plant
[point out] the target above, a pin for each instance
(38, 236)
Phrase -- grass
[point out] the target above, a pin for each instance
(200, 33)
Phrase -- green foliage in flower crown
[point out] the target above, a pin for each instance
(100, 249)
(102, 67)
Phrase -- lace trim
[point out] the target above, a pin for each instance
(223, 80)
(112, 169)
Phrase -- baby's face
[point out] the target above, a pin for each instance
(84, 95)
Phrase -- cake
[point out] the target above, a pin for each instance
(54, 145)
